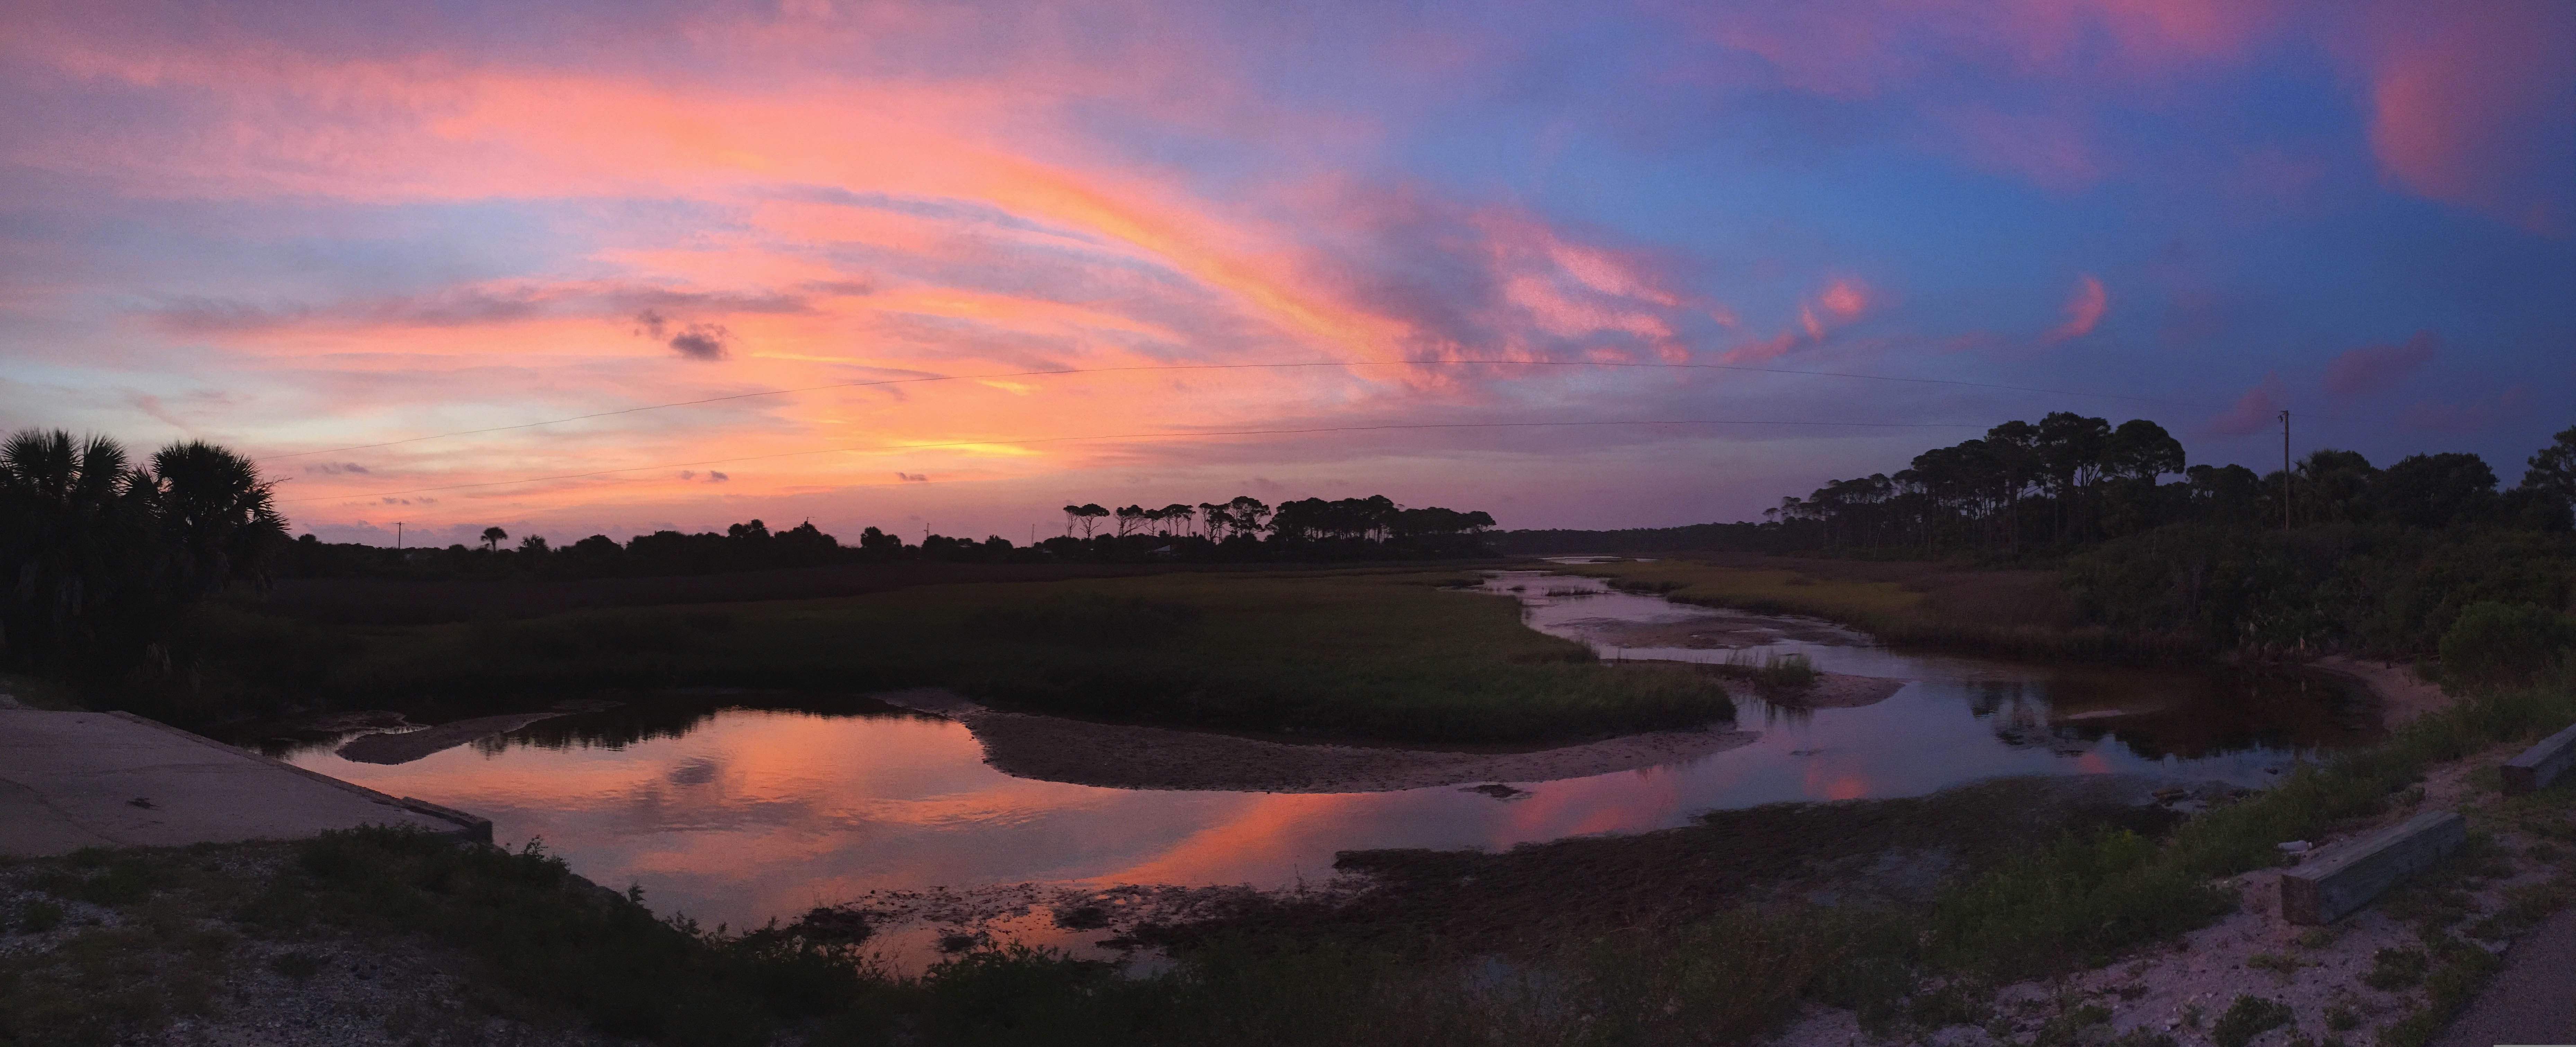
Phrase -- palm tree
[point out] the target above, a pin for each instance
(78, 555)
(222, 515)
(492, 537)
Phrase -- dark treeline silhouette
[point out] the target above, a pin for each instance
(2070, 481)
(102, 556)
(1242, 530)
(2337, 554)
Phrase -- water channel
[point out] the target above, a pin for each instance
(737, 815)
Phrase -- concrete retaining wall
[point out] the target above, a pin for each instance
(2541, 764)
(2339, 879)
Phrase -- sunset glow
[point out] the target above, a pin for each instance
(321, 232)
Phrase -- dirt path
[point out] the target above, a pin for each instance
(1120, 756)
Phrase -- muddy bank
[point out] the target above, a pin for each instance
(412, 745)
(2403, 697)
(1118, 756)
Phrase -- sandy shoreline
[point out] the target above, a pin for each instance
(2402, 697)
(1055, 749)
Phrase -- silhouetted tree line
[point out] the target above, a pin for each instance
(2068, 482)
(102, 556)
(2338, 554)
(1244, 529)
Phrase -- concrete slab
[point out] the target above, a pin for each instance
(2541, 764)
(70, 780)
(2339, 879)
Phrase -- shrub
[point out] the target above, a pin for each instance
(2501, 645)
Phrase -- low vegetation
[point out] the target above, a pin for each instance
(1388, 654)
(2014, 612)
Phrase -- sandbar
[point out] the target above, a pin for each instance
(1122, 756)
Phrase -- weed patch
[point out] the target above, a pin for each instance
(2248, 1017)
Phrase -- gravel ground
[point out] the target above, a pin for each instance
(175, 968)
(2323, 975)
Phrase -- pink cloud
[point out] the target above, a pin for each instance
(2084, 310)
(2375, 367)
(2473, 106)
(1842, 300)
(2257, 410)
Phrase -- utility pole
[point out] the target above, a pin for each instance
(2285, 469)
(397, 535)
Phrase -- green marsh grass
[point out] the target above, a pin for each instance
(2016, 613)
(1394, 655)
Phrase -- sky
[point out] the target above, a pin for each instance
(595, 267)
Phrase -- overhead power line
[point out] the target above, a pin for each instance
(1134, 436)
(919, 379)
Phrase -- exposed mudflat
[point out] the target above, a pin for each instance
(1119, 756)
(1830, 691)
(407, 746)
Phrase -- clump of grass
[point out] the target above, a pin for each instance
(39, 917)
(2392, 969)
(2282, 966)
(99, 877)
(2340, 1018)
(2077, 902)
(2248, 1017)
(1773, 671)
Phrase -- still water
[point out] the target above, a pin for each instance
(740, 814)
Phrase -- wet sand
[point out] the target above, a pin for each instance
(1118, 756)
(1840, 691)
